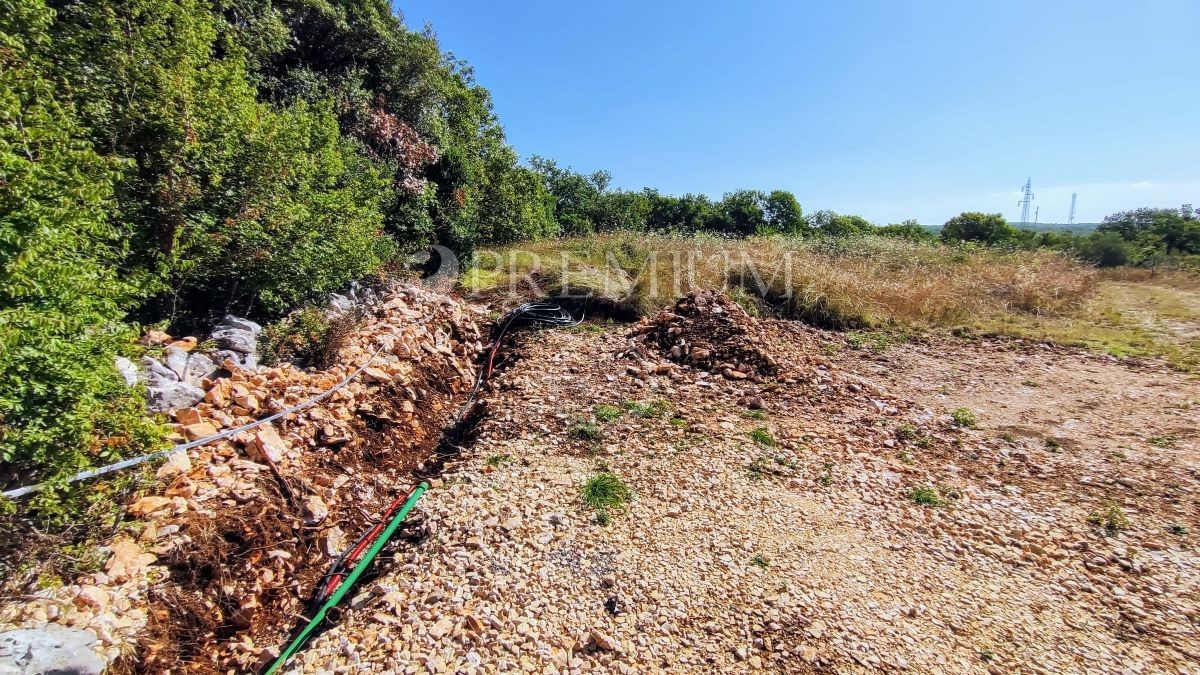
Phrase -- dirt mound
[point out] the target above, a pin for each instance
(709, 331)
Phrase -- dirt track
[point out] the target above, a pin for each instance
(808, 555)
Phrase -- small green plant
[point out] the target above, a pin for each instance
(826, 477)
(876, 341)
(905, 456)
(1177, 529)
(763, 437)
(987, 654)
(906, 432)
(1162, 441)
(830, 348)
(755, 415)
(1052, 444)
(757, 468)
(308, 337)
(499, 460)
(926, 496)
(647, 410)
(606, 492)
(1008, 438)
(678, 422)
(586, 431)
(963, 417)
(760, 561)
(606, 413)
(1112, 518)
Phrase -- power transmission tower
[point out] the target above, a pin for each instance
(1027, 196)
(1036, 211)
(1071, 218)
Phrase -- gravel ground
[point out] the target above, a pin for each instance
(799, 548)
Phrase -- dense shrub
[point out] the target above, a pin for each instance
(62, 403)
(986, 228)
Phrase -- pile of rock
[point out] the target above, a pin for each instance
(709, 331)
(266, 511)
(178, 379)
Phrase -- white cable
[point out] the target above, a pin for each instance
(125, 464)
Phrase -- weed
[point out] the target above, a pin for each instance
(963, 417)
(499, 460)
(757, 468)
(755, 415)
(830, 348)
(1052, 444)
(308, 337)
(586, 431)
(1167, 441)
(763, 437)
(760, 561)
(875, 341)
(905, 457)
(826, 477)
(927, 496)
(606, 492)
(678, 422)
(647, 410)
(1111, 518)
(1177, 529)
(606, 413)
(987, 654)
(906, 432)
(1008, 438)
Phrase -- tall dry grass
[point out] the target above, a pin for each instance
(842, 283)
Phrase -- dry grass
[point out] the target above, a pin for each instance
(860, 282)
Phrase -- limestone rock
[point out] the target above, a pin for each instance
(52, 649)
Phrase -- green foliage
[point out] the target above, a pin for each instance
(606, 413)
(308, 337)
(586, 431)
(1175, 230)
(985, 228)
(926, 496)
(1111, 519)
(1105, 249)
(909, 230)
(783, 213)
(606, 493)
(962, 417)
(762, 436)
(62, 403)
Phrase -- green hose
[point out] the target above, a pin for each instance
(342, 590)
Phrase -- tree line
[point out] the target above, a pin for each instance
(168, 161)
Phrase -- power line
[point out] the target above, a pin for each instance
(1026, 197)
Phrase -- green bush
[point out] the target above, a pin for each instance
(307, 337)
(985, 228)
(63, 406)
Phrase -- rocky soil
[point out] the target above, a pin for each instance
(799, 504)
(775, 526)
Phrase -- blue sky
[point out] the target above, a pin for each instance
(891, 110)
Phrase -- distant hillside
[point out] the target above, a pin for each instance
(1077, 228)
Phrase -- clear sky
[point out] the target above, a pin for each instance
(888, 109)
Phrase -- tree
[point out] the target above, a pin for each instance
(742, 213)
(987, 228)
(1174, 230)
(909, 230)
(783, 213)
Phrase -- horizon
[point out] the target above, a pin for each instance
(913, 115)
